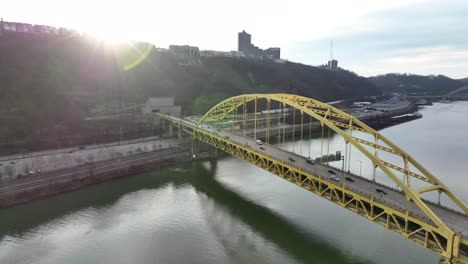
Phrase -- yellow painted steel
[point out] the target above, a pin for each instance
(432, 232)
(403, 222)
(464, 88)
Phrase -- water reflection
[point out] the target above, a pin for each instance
(240, 226)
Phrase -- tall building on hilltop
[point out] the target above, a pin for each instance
(245, 41)
(246, 47)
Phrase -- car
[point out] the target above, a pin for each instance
(226, 137)
(349, 179)
(81, 147)
(12, 162)
(291, 159)
(310, 161)
(335, 178)
(259, 142)
(331, 171)
(31, 172)
(38, 171)
(262, 148)
(380, 190)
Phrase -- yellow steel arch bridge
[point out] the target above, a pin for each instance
(235, 126)
(461, 89)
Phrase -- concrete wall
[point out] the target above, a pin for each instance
(14, 166)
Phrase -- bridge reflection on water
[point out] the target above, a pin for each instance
(405, 212)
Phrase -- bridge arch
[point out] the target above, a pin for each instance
(461, 89)
(344, 124)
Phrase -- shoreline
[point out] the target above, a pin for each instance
(53, 183)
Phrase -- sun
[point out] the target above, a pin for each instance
(111, 35)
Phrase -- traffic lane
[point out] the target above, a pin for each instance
(141, 160)
(72, 169)
(85, 169)
(85, 172)
(394, 198)
(137, 159)
(364, 186)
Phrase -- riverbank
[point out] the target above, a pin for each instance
(66, 179)
(241, 213)
(24, 190)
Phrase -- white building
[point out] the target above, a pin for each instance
(163, 105)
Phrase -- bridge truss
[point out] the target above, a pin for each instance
(461, 89)
(241, 114)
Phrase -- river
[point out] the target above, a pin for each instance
(230, 211)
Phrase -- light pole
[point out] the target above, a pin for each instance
(120, 136)
(360, 168)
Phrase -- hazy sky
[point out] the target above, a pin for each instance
(370, 36)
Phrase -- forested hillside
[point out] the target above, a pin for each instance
(411, 83)
(55, 82)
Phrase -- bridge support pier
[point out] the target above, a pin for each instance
(171, 130)
(194, 150)
(179, 132)
(213, 152)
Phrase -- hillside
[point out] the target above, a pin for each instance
(410, 83)
(49, 85)
(219, 78)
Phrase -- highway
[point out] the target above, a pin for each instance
(83, 171)
(456, 221)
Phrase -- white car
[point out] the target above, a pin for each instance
(335, 178)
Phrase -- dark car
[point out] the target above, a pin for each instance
(291, 159)
(349, 179)
(262, 148)
(380, 190)
(331, 171)
(81, 147)
(310, 161)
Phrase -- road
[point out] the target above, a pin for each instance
(84, 170)
(456, 221)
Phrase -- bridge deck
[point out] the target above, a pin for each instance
(456, 221)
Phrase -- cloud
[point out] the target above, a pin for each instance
(366, 33)
(423, 38)
(426, 60)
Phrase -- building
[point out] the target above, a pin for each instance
(333, 64)
(24, 29)
(244, 41)
(273, 53)
(163, 105)
(249, 50)
(186, 55)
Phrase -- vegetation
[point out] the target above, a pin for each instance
(49, 85)
(410, 83)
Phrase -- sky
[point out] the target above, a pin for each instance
(370, 37)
